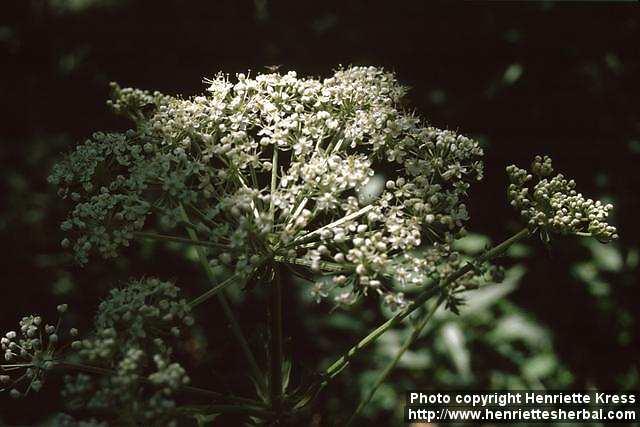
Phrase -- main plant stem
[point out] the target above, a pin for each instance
(226, 309)
(276, 340)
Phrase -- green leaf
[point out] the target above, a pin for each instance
(389, 344)
(518, 327)
(286, 374)
(345, 323)
(606, 256)
(584, 271)
(455, 344)
(633, 258)
(191, 253)
(540, 366)
(484, 297)
(598, 288)
(415, 360)
(519, 250)
(205, 420)
(512, 74)
(472, 244)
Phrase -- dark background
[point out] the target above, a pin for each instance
(524, 78)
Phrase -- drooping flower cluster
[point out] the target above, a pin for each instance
(30, 352)
(553, 204)
(433, 264)
(275, 166)
(135, 330)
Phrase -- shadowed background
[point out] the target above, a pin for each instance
(524, 79)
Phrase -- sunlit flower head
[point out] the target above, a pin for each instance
(331, 176)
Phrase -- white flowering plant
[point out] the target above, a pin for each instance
(266, 177)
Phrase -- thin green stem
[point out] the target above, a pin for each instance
(276, 339)
(274, 180)
(256, 214)
(214, 291)
(176, 239)
(187, 389)
(202, 216)
(344, 360)
(392, 365)
(334, 224)
(325, 265)
(237, 331)
(424, 296)
(226, 309)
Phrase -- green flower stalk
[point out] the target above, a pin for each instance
(31, 352)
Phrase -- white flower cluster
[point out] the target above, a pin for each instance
(112, 181)
(274, 166)
(553, 204)
(134, 332)
(169, 376)
(134, 102)
(30, 352)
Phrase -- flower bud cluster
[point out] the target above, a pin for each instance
(552, 204)
(134, 102)
(136, 329)
(29, 352)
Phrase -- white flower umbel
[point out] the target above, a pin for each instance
(270, 168)
(553, 205)
(136, 329)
